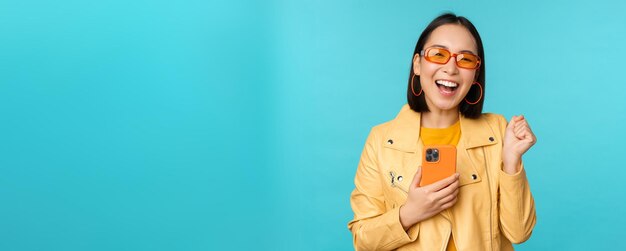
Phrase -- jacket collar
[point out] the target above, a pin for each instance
(404, 132)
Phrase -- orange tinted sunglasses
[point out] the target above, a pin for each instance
(442, 56)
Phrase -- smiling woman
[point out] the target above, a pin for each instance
(486, 204)
(449, 31)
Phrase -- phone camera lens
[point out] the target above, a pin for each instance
(429, 151)
(429, 158)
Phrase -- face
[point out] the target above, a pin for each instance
(445, 85)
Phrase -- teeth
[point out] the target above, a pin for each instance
(447, 83)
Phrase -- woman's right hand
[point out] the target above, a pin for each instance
(424, 202)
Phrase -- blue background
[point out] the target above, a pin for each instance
(195, 125)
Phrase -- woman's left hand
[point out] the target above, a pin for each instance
(518, 138)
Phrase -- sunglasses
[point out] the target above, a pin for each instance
(442, 56)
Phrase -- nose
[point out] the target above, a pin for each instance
(450, 67)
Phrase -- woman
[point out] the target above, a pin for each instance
(486, 204)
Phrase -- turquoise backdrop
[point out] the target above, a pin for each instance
(238, 125)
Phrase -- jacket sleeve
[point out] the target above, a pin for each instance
(374, 228)
(517, 206)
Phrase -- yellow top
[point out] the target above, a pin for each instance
(442, 136)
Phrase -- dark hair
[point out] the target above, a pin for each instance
(418, 103)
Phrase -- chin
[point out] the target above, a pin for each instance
(447, 106)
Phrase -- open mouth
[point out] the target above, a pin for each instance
(446, 87)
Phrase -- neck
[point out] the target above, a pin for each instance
(439, 118)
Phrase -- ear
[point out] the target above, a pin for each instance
(416, 64)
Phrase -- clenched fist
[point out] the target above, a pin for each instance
(518, 138)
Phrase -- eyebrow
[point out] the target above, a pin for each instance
(445, 47)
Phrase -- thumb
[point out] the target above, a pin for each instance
(417, 178)
(511, 124)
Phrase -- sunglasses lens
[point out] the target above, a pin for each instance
(466, 60)
(436, 55)
(463, 60)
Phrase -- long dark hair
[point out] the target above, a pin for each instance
(418, 103)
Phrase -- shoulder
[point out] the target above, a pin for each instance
(382, 127)
(399, 124)
(493, 118)
(377, 132)
(497, 122)
(485, 120)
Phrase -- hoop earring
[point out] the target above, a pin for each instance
(413, 88)
(481, 94)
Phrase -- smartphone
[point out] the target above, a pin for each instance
(438, 162)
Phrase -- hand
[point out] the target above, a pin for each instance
(518, 138)
(424, 202)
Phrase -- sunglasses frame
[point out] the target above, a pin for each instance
(452, 55)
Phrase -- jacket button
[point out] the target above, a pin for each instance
(491, 139)
(390, 142)
(474, 176)
(400, 178)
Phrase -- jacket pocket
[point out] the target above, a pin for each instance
(396, 189)
(397, 176)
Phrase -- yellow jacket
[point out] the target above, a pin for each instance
(493, 210)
